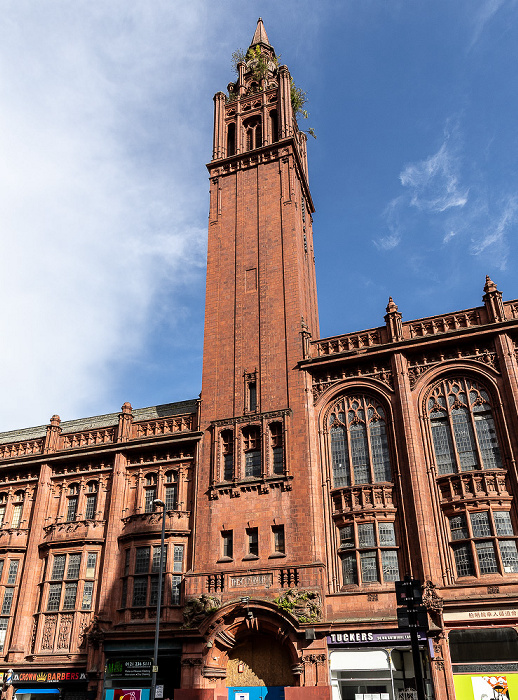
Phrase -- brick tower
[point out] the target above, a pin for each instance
(259, 522)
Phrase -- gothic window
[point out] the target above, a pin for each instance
(252, 451)
(231, 139)
(277, 448)
(150, 493)
(91, 500)
(463, 429)
(227, 453)
(368, 552)
(253, 133)
(171, 490)
(483, 542)
(72, 501)
(16, 517)
(274, 125)
(359, 445)
(71, 582)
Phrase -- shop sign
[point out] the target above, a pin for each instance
(389, 637)
(49, 676)
(251, 581)
(498, 686)
(132, 694)
(129, 668)
(480, 614)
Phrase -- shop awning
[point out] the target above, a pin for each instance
(34, 691)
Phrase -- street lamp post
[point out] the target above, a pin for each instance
(158, 503)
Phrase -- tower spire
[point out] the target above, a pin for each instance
(260, 35)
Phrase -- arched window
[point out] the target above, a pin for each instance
(149, 493)
(277, 448)
(274, 125)
(227, 454)
(72, 501)
(359, 446)
(252, 450)
(231, 139)
(253, 133)
(17, 508)
(91, 500)
(463, 430)
(171, 490)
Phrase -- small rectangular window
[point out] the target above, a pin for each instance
(139, 591)
(366, 537)
(72, 508)
(150, 496)
(346, 537)
(3, 631)
(387, 534)
(176, 583)
(279, 545)
(88, 595)
(369, 567)
(178, 558)
(8, 601)
(509, 556)
(464, 560)
(69, 599)
(480, 524)
(127, 562)
(1, 567)
(349, 569)
(503, 522)
(171, 497)
(390, 565)
(253, 541)
(54, 596)
(124, 594)
(459, 527)
(74, 562)
(90, 564)
(252, 396)
(58, 569)
(13, 570)
(486, 557)
(2, 514)
(153, 593)
(155, 566)
(142, 560)
(91, 503)
(17, 515)
(227, 541)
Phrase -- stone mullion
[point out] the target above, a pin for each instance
(29, 577)
(421, 558)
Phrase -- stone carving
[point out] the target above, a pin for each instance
(65, 628)
(49, 629)
(305, 605)
(314, 659)
(94, 633)
(431, 600)
(418, 366)
(197, 609)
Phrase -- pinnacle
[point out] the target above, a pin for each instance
(391, 305)
(489, 286)
(260, 36)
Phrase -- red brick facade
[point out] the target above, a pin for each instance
(311, 475)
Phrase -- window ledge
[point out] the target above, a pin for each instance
(222, 560)
(250, 557)
(277, 555)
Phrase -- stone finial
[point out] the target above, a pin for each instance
(391, 306)
(393, 322)
(55, 420)
(493, 302)
(126, 407)
(490, 286)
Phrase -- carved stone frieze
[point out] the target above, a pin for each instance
(322, 381)
(314, 659)
(197, 609)
(419, 365)
(49, 630)
(65, 629)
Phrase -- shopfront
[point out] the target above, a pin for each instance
(374, 665)
(485, 663)
(50, 684)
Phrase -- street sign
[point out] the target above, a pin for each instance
(159, 691)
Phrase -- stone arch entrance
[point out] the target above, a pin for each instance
(259, 660)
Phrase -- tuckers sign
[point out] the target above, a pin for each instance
(388, 637)
(52, 675)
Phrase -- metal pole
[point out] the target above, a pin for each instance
(158, 502)
(416, 654)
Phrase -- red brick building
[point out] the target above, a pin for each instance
(310, 476)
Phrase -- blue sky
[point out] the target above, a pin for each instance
(106, 125)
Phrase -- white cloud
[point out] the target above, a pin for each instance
(494, 237)
(99, 201)
(483, 16)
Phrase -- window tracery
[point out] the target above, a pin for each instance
(463, 429)
(358, 442)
